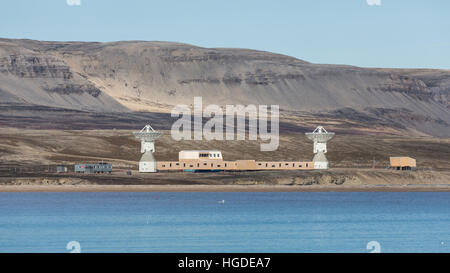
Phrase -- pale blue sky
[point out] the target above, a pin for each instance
(397, 33)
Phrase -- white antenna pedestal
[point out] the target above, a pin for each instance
(147, 135)
(320, 137)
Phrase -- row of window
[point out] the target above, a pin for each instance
(226, 165)
(198, 165)
(95, 167)
(285, 165)
(209, 155)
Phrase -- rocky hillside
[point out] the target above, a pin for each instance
(153, 76)
(29, 76)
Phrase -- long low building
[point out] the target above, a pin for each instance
(93, 168)
(213, 161)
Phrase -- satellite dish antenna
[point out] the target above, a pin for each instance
(320, 136)
(147, 135)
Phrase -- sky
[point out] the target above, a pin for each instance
(368, 33)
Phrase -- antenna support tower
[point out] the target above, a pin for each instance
(147, 136)
(320, 137)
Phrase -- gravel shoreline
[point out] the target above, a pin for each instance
(223, 188)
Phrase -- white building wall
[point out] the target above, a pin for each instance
(320, 165)
(188, 155)
(196, 154)
(147, 167)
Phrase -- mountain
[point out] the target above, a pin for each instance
(153, 76)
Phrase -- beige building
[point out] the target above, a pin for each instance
(206, 160)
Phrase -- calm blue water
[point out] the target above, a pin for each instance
(246, 222)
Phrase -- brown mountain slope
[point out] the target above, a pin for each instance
(145, 76)
(30, 76)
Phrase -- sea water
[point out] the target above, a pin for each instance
(225, 222)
